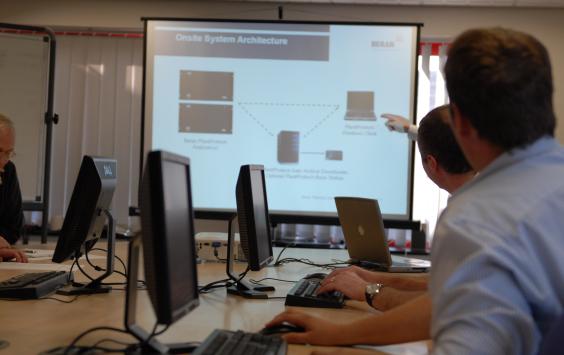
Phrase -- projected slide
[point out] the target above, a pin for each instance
(302, 99)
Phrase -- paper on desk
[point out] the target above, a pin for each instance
(413, 348)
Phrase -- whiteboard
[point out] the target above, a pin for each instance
(24, 66)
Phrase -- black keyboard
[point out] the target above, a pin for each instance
(221, 342)
(33, 285)
(304, 294)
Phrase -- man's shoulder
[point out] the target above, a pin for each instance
(10, 166)
(9, 176)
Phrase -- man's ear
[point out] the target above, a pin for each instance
(431, 162)
(460, 125)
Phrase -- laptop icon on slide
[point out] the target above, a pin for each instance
(360, 106)
(363, 229)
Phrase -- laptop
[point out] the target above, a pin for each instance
(363, 229)
(360, 106)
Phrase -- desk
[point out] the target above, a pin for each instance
(38, 325)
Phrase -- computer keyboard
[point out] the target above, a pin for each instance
(221, 342)
(33, 285)
(303, 294)
(38, 253)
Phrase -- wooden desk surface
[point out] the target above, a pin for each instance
(37, 325)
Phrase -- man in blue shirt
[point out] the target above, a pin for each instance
(499, 245)
(497, 283)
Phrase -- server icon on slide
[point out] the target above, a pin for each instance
(206, 85)
(288, 147)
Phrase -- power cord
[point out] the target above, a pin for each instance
(142, 283)
(41, 298)
(306, 261)
(72, 346)
(215, 246)
(276, 262)
(256, 282)
(222, 283)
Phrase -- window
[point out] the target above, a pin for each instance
(428, 199)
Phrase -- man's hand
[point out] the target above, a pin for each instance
(318, 331)
(366, 275)
(347, 282)
(396, 123)
(8, 254)
(4, 243)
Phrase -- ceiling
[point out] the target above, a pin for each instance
(480, 3)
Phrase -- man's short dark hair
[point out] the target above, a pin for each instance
(435, 137)
(501, 81)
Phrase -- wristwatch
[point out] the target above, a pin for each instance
(371, 291)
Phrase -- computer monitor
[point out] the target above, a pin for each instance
(252, 213)
(167, 224)
(86, 216)
(169, 251)
(254, 229)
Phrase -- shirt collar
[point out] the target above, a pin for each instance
(511, 157)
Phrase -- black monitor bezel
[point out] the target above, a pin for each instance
(74, 239)
(245, 206)
(154, 237)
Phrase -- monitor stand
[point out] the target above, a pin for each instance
(241, 287)
(96, 286)
(147, 344)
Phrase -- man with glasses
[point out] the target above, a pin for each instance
(11, 213)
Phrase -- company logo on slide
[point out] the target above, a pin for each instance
(383, 44)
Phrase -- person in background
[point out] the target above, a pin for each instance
(11, 212)
(405, 298)
(497, 282)
(400, 124)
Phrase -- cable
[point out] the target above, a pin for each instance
(243, 274)
(162, 330)
(111, 341)
(276, 263)
(60, 300)
(79, 349)
(81, 335)
(271, 278)
(70, 271)
(41, 298)
(216, 254)
(151, 335)
(212, 285)
(222, 283)
(309, 262)
(98, 268)
(83, 272)
(115, 256)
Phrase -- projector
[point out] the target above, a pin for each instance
(212, 246)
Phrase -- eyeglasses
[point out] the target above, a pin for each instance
(7, 155)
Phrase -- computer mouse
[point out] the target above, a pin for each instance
(317, 275)
(282, 329)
